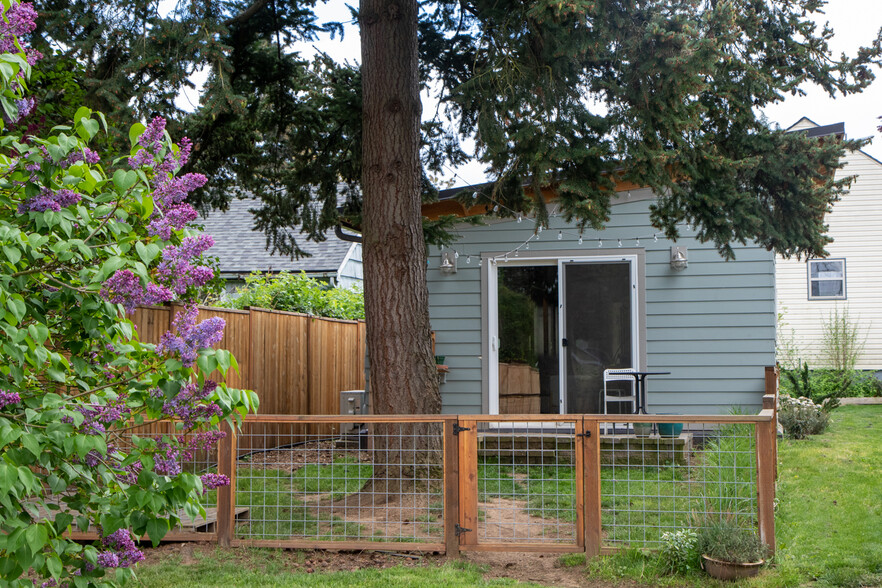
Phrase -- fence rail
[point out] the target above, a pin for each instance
(297, 363)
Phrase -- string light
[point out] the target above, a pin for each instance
(580, 239)
(599, 244)
(655, 237)
(468, 259)
(455, 254)
(519, 218)
(620, 242)
(560, 235)
(637, 244)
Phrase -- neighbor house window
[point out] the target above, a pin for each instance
(826, 279)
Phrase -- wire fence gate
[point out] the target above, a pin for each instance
(445, 483)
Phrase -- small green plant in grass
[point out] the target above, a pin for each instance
(679, 552)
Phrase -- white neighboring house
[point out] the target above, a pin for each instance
(851, 277)
(242, 250)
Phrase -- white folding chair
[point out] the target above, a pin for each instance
(619, 375)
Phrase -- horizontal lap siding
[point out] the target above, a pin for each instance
(712, 325)
(856, 226)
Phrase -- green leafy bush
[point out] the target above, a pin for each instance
(298, 293)
(679, 551)
(83, 239)
(822, 384)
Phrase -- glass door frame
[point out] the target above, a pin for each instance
(492, 263)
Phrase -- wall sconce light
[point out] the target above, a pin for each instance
(679, 258)
(448, 262)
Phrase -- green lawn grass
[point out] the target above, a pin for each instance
(260, 568)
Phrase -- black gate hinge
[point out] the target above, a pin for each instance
(457, 429)
(585, 434)
(460, 530)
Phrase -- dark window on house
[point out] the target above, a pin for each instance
(826, 279)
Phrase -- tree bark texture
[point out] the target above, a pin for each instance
(403, 378)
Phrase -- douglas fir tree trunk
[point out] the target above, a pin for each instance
(403, 377)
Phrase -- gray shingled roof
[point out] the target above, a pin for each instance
(243, 250)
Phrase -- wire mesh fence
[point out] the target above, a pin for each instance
(527, 482)
(348, 481)
(443, 483)
(656, 477)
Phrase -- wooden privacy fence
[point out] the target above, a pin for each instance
(447, 483)
(297, 364)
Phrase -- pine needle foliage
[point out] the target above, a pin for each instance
(568, 95)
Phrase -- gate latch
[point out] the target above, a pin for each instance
(460, 530)
(585, 434)
(457, 429)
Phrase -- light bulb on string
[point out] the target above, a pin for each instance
(580, 239)
(540, 229)
(455, 254)
(468, 259)
(599, 244)
(516, 253)
(620, 242)
(481, 262)
(559, 235)
(655, 237)
(520, 219)
(527, 245)
(637, 244)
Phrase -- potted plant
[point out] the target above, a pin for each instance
(729, 549)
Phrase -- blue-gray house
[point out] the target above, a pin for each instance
(528, 322)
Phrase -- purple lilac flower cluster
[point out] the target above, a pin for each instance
(176, 270)
(49, 200)
(190, 337)
(213, 481)
(7, 398)
(97, 416)
(86, 155)
(18, 21)
(188, 406)
(167, 459)
(170, 192)
(122, 552)
(124, 287)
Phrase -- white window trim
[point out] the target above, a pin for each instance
(844, 280)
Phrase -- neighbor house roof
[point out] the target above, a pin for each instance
(242, 249)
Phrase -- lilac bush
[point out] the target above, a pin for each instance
(84, 239)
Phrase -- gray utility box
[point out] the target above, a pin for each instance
(352, 403)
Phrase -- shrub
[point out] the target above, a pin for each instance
(816, 385)
(298, 293)
(843, 342)
(727, 539)
(83, 239)
(679, 552)
(800, 417)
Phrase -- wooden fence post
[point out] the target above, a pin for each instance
(451, 487)
(468, 481)
(226, 495)
(765, 465)
(591, 482)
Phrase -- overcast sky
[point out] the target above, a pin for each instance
(855, 22)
